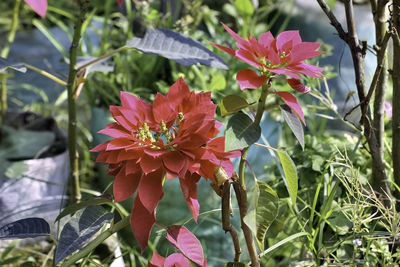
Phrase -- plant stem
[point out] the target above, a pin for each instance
(97, 241)
(71, 85)
(4, 54)
(396, 94)
(46, 74)
(240, 188)
(109, 54)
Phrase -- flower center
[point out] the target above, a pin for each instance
(166, 134)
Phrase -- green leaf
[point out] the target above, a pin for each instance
(294, 123)
(80, 228)
(16, 169)
(25, 228)
(289, 169)
(241, 132)
(262, 212)
(244, 7)
(177, 47)
(218, 82)
(232, 103)
(282, 242)
(77, 206)
(235, 264)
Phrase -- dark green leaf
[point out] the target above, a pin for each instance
(77, 206)
(241, 132)
(25, 228)
(289, 169)
(177, 47)
(262, 212)
(232, 103)
(294, 123)
(5, 64)
(85, 224)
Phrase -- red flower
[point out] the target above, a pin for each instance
(171, 138)
(173, 260)
(285, 55)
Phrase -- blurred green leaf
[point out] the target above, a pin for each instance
(244, 7)
(235, 264)
(218, 82)
(16, 169)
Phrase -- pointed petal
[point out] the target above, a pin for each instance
(101, 147)
(141, 223)
(304, 51)
(298, 86)
(266, 39)
(149, 164)
(116, 133)
(228, 50)
(248, 57)
(189, 190)
(126, 185)
(174, 162)
(239, 39)
(119, 143)
(291, 37)
(292, 102)
(157, 260)
(306, 69)
(249, 79)
(177, 260)
(162, 110)
(39, 6)
(150, 190)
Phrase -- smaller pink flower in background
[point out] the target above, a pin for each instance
(388, 109)
(285, 55)
(39, 6)
(173, 137)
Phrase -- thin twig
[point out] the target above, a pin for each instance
(226, 221)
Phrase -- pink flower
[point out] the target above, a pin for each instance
(285, 55)
(39, 6)
(173, 137)
(388, 109)
(173, 260)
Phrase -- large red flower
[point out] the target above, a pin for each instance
(171, 138)
(285, 55)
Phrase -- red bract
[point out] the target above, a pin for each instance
(171, 138)
(39, 6)
(285, 55)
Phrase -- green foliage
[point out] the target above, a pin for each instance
(241, 132)
(231, 104)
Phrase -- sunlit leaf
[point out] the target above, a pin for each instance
(241, 132)
(262, 212)
(186, 243)
(291, 179)
(218, 82)
(177, 47)
(232, 103)
(25, 228)
(294, 123)
(80, 228)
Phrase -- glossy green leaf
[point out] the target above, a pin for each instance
(244, 7)
(232, 103)
(294, 123)
(241, 132)
(25, 228)
(77, 206)
(290, 171)
(80, 228)
(262, 212)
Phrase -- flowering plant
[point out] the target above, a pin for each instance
(173, 137)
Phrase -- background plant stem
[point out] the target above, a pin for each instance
(4, 54)
(396, 94)
(71, 86)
